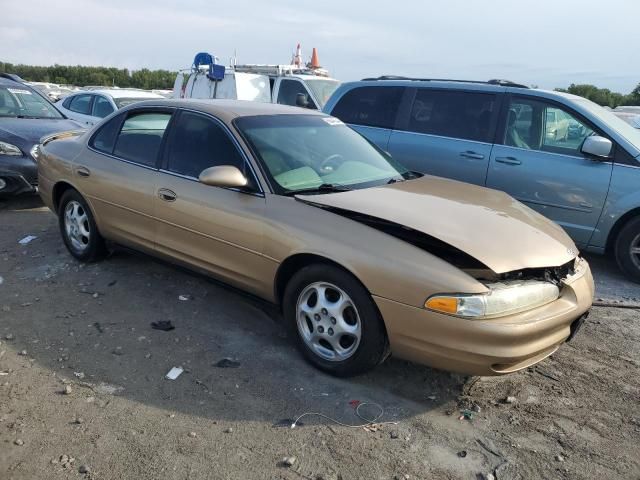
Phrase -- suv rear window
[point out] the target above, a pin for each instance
(369, 106)
(464, 115)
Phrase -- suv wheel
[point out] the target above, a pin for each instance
(627, 249)
(335, 321)
(78, 228)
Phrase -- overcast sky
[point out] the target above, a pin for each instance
(550, 43)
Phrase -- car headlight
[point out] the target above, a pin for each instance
(9, 149)
(502, 299)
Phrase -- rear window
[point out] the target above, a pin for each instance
(464, 115)
(369, 106)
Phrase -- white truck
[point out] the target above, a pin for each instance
(305, 86)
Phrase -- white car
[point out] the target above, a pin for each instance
(89, 107)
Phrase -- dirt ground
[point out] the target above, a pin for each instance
(82, 379)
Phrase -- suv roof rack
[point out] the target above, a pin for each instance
(11, 76)
(495, 81)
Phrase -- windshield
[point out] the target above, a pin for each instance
(632, 135)
(124, 101)
(23, 102)
(322, 89)
(302, 152)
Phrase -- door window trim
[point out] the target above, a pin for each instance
(164, 159)
(122, 118)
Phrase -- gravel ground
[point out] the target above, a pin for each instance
(83, 393)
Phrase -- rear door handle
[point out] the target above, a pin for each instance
(508, 160)
(471, 154)
(83, 171)
(167, 195)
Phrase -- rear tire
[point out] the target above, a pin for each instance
(334, 320)
(627, 249)
(78, 228)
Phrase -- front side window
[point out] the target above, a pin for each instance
(21, 101)
(102, 107)
(289, 90)
(81, 104)
(537, 125)
(302, 152)
(198, 142)
(322, 89)
(464, 115)
(140, 137)
(369, 106)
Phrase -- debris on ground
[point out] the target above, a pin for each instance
(510, 400)
(164, 325)
(18, 442)
(466, 415)
(174, 373)
(228, 363)
(27, 239)
(462, 453)
(289, 461)
(185, 297)
(84, 469)
(229, 430)
(193, 434)
(67, 390)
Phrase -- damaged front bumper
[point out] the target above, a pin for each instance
(489, 346)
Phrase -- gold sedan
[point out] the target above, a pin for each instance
(364, 257)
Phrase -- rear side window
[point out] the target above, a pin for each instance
(464, 115)
(81, 104)
(369, 106)
(199, 142)
(101, 107)
(105, 139)
(140, 137)
(67, 102)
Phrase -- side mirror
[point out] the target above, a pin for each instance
(597, 146)
(302, 100)
(223, 176)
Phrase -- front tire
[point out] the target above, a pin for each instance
(78, 228)
(627, 249)
(336, 324)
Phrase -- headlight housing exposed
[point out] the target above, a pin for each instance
(502, 299)
(9, 149)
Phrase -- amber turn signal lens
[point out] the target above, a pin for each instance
(443, 304)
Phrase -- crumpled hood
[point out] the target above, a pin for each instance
(489, 225)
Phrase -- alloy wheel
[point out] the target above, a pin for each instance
(76, 225)
(328, 321)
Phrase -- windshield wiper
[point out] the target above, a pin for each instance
(322, 188)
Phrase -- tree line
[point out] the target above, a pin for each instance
(104, 76)
(604, 96)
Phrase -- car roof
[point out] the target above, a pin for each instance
(8, 82)
(125, 93)
(229, 109)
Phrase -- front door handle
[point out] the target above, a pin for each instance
(83, 171)
(472, 155)
(167, 195)
(508, 160)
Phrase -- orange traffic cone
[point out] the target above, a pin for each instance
(315, 63)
